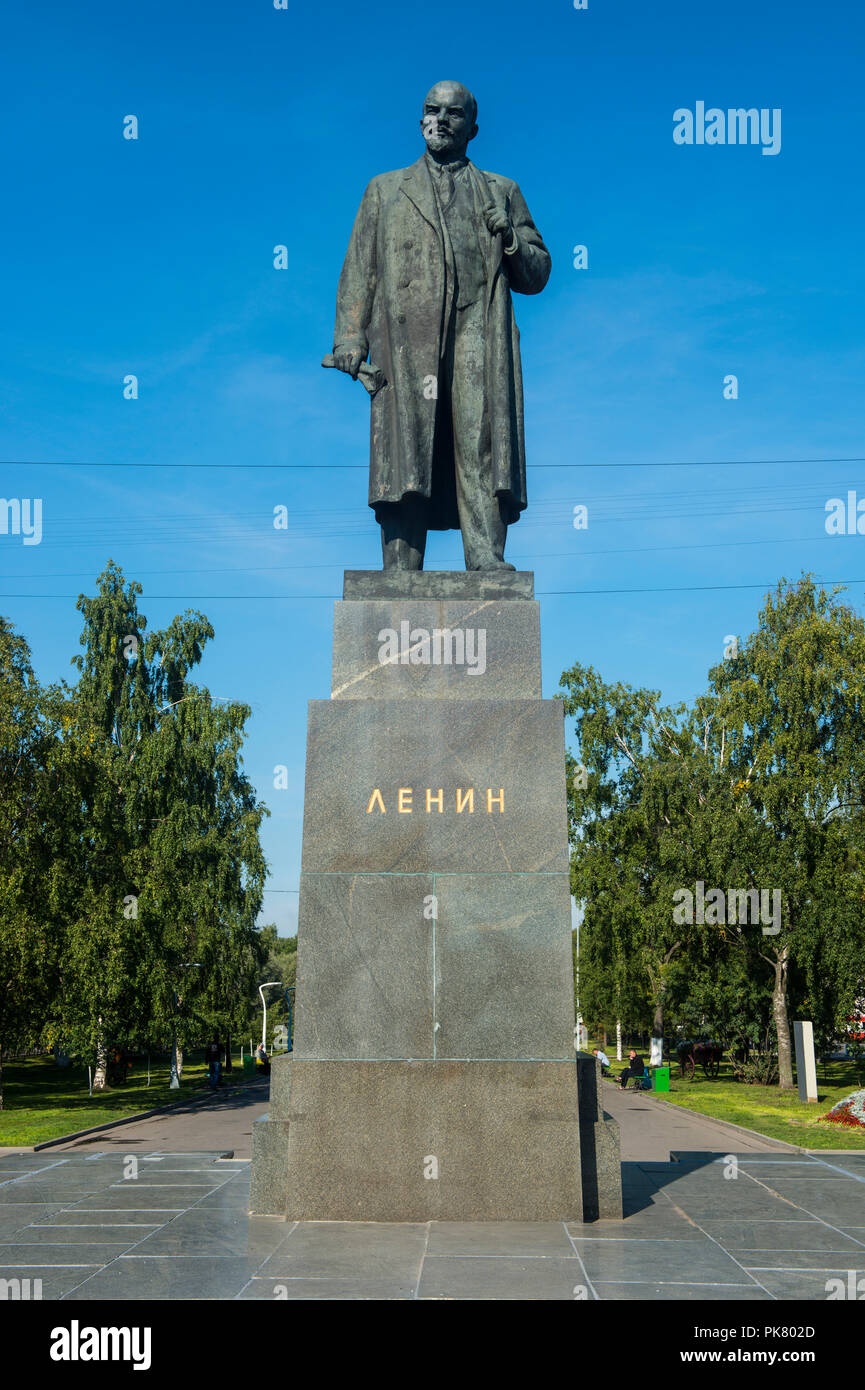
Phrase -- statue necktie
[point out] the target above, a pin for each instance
(446, 186)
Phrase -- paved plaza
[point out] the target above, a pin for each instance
(776, 1225)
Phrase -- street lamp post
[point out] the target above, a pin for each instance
(267, 984)
(174, 1084)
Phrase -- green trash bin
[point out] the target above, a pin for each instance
(249, 1066)
(661, 1079)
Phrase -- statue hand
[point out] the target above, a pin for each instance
(348, 362)
(497, 221)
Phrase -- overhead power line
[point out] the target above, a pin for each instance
(541, 593)
(317, 467)
(546, 555)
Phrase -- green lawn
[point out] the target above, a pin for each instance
(43, 1101)
(777, 1114)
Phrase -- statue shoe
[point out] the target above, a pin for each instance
(495, 565)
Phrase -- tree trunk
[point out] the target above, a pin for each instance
(782, 1022)
(179, 1056)
(656, 1053)
(618, 1040)
(658, 981)
(1, 1078)
(227, 1063)
(658, 1019)
(100, 1079)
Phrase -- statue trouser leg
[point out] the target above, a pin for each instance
(484, 530)
(403, 533)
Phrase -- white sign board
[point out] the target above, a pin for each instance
(806, 1062)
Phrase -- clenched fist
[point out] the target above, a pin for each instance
(498, 221)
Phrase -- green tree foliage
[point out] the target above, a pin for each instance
(132, 870)
(790, 716)
(757, 786)
(639, 830)
(281, 961)
(28, 777)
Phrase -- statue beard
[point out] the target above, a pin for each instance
(440, 142)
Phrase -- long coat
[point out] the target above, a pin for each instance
(394, 303)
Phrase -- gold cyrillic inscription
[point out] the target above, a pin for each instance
(435, 800)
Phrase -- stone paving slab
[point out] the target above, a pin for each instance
(54, 1281)
(800, 1234)
(336, 1249)
(666, 1225)
(130, 1200)
(214, 1233)
(355, 1290)
(810, 1169)
(780, 1230)
(14, 1215)
(58, 1252)
(691, 1293)
(809, 1285)
(505, 1277)
(669, 1261)
(756, 1261)
(26, 1160)
(162, 1278)
(478, 1238)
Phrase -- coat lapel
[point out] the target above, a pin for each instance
(417, 187)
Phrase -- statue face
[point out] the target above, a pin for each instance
(448, 122)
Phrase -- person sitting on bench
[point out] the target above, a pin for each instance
(636, 1067)
(603, 1059)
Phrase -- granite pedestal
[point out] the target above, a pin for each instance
(433, 1074)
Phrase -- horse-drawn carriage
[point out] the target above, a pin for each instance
(706, 1055)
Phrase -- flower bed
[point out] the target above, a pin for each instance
(850, 1111)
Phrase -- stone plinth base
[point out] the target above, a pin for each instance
(433, 1074)
(600, 1147)
(421, 1141)
(509, 1141)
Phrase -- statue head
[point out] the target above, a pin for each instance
(448, 120)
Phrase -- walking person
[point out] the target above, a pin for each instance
(213, 1058)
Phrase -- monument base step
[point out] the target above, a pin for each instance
(422, 1141)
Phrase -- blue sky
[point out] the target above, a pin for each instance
(259, 127)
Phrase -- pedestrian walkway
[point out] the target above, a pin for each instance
(652, 1130)
(221, 1123)
(175, 1226)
